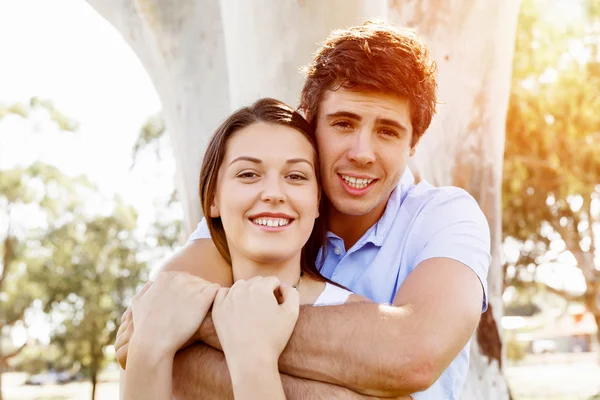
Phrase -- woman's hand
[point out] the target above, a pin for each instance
(169, 311)
(250, 322)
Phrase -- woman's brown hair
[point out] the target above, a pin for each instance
(269, 111)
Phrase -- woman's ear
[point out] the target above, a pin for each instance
(214, 211)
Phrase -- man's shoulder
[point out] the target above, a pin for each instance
(425, 197)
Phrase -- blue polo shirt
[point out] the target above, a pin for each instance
(420, 222)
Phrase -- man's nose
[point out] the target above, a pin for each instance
(361, 151)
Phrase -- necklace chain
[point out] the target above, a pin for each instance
(297, 285)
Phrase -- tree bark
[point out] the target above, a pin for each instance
(180, 43)
(473, 44)
(94, 367)
(1, 374)
(267, 41)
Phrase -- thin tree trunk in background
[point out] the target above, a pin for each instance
(473, 43)
(1, 374)
(94, 367)
(94, 383)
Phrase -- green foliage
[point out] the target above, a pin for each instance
(82, 267)
(95, 271)
(24, 110)
(515, 350)
(552, 156)
(39, 190)
(150, 134)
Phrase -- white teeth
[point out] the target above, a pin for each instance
(357, 183)
(274, 222)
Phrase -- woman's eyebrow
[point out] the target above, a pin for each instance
(246, 158)
(258, 161)
(298, 160)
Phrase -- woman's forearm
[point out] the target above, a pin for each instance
(252, 380)
(148, 374)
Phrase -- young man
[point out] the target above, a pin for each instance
(421, 252)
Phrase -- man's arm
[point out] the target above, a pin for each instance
(387, 350)
(201, 258)
(200, 372)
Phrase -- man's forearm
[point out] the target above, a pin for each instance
(357, 347)
(354, 345)
(200, 372)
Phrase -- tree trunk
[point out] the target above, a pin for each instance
(1, 374)
(94, 366)
(268, 41)
(94, 383)
(182, 45)
(473, 43)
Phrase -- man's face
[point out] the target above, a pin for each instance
(364, 141)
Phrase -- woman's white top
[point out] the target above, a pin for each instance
(332, 295)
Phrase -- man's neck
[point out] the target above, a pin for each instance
(352, 227)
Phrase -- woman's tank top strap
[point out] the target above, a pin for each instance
(332, 295)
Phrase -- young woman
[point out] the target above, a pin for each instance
(260, 192)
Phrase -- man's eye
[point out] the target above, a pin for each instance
(342, 124)
(388, 132)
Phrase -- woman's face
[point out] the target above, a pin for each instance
(267, 194)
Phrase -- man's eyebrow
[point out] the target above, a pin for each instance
(346, 114)
(390, 122)
(258, 161)
(378, 121)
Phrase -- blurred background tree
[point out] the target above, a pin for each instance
(71, 254)
(96, 267)
(551, 187)
(41, 190)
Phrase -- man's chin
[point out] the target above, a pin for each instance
(353, 208)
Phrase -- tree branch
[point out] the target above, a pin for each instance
(13, 353)
(9, 255)
(565, 295)
(592, 221)
(18, 317)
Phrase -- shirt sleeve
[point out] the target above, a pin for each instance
(453, 226)
(201, 231)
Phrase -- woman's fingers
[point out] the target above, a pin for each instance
(122, 355)
(144, 290)
(290, 299)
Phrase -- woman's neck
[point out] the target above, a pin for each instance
(288, 271)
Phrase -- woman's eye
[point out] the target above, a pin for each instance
(247, 175)
(297, 177)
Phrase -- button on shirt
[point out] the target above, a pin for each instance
(420, 222)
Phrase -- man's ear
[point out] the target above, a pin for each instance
(413, 148)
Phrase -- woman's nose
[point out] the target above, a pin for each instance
(273, 192)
